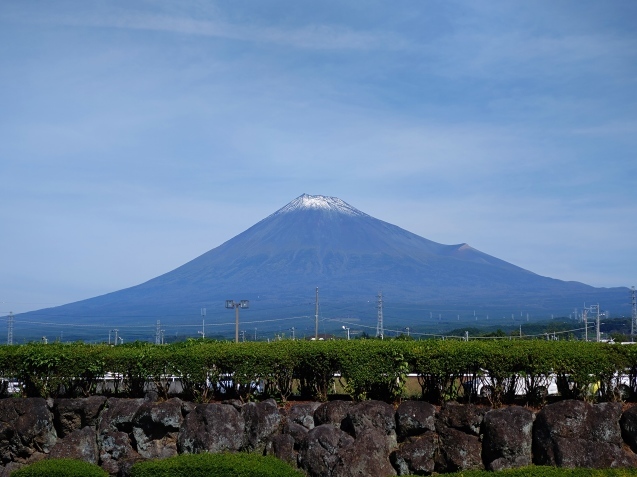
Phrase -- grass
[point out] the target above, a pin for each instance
(215, 465)
(60, 468)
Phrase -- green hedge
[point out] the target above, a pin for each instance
(364, 369)
(60, 468)
(215, 465)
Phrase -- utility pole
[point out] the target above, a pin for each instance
(203, 324)
(633, 326)
(157, 334)
(293, 337)
(10, 329)
(236, 305)
(599, 335)
(592, 309)
(115, 331)
(316, 316)
(380, 330)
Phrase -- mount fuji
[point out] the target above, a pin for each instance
(318, 241)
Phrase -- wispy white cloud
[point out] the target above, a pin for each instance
(310, 36)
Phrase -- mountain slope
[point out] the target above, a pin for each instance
(318, 241)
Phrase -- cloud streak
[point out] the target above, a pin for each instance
(311, 36)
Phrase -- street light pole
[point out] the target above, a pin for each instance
(236, 305)
(203, 324)
(346, 329)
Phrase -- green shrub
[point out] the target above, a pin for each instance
(215, 465)
(374, 369)
(367, 369)
(60, 468)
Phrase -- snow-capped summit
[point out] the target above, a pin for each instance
(320, 202)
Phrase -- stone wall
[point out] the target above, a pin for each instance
(333, 439)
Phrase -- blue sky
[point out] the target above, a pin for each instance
(137, 135)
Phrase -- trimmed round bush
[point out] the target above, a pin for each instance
(60, 468)
(215, 465)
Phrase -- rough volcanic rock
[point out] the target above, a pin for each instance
(414, 418)
(628, 424)
(281, 446)
(463, 417)
(303, 414)
(236, 403)
(508, 438)
(211, 428)
(115, 445)
(156, 428)
(118, 415)
(115, 424)
(577, 434)
(26, 429)
(416, 455)
(458, 451)
(368, 455)
(5, 471)
(372, 415)
(115, 449)
(604, 420)
(262, 420)
(319, 453)
(296, 431)
(80, 444)
(74, 414)
(332, 412)
(125, 466)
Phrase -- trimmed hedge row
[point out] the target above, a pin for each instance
(366, 369)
